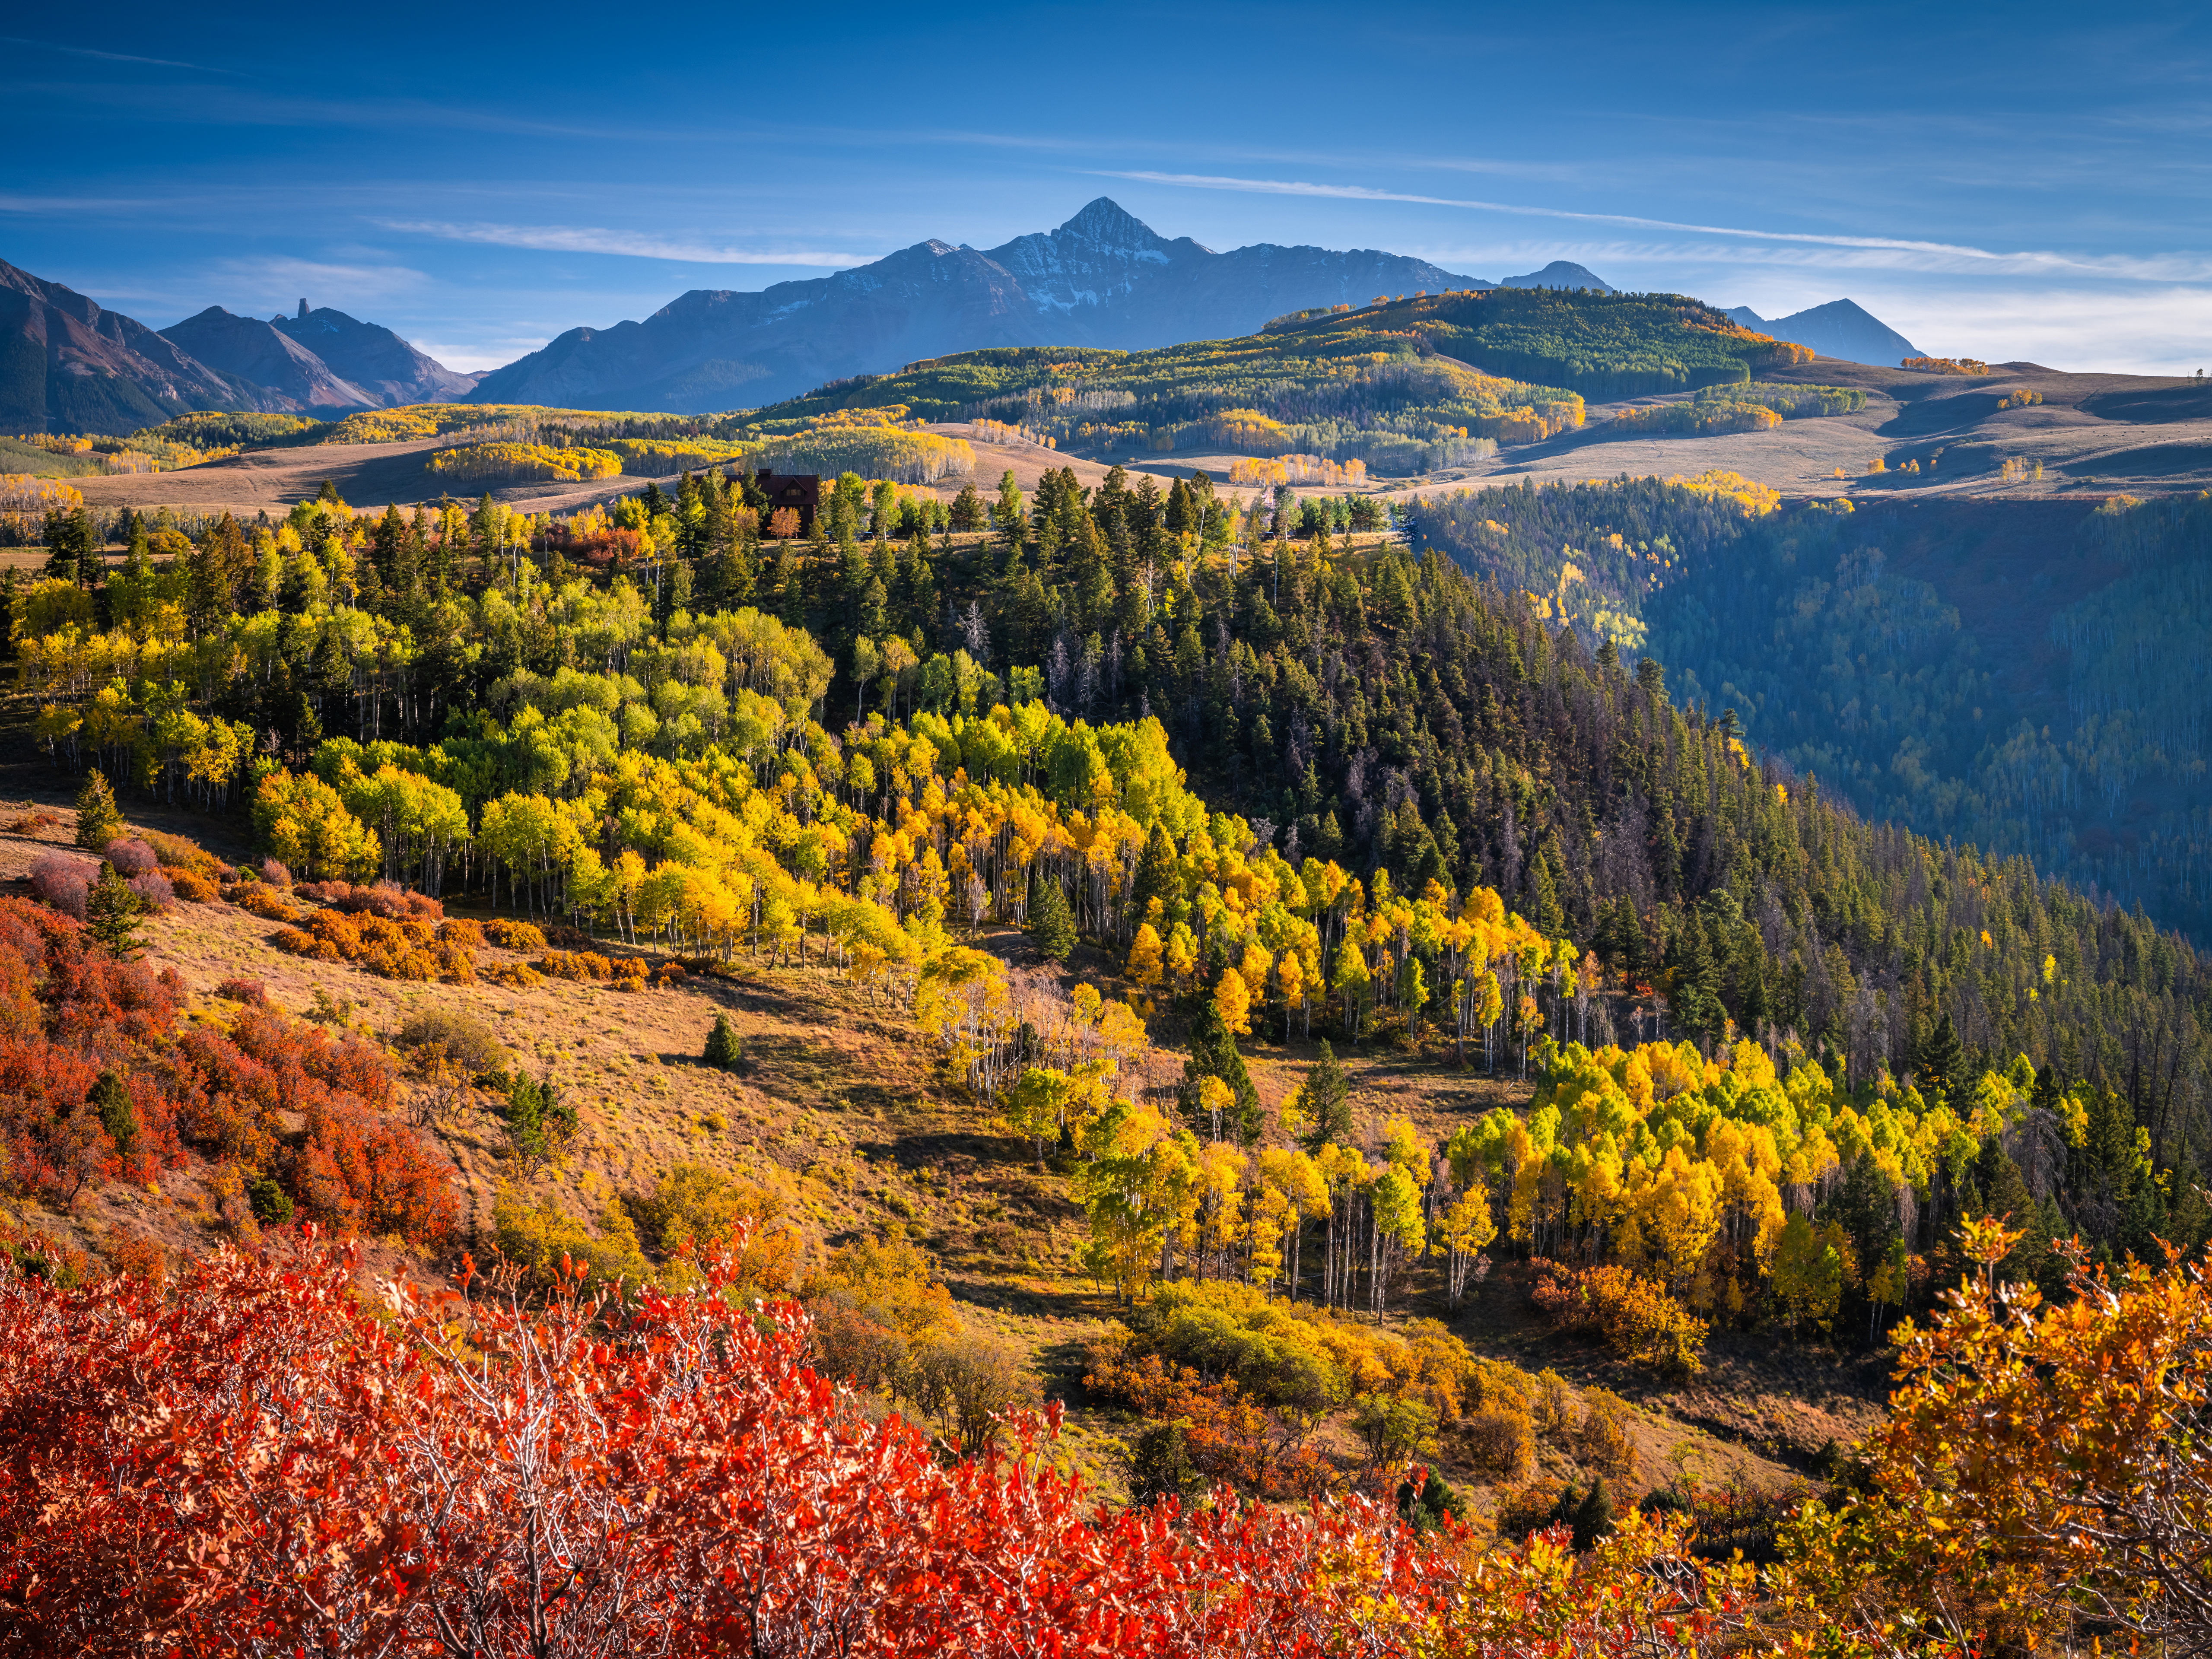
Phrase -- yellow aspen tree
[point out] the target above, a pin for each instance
(1233, 1002)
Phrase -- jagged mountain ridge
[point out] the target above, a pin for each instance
(66, 365)
(1103, 278)
(372, 358)
(1841, 328)
(247, 349)
(320, 361)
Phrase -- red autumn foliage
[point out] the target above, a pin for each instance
(252, 1461)
(363, 1172)
(68, 1012)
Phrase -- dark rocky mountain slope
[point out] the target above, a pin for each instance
(1104, 278)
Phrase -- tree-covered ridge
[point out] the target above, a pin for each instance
(1592, 554)
(1352, 390)
(1790, 1070)
(1847, 667)
(1602, 345)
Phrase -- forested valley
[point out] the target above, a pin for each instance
(2028, 680)
(1116, 805)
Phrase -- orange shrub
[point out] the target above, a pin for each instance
(510, 935)
(583, 966)
(517, 976)
(189, 885)
(363, 1172)
(460, 931)
(410, 949)
(267, 903)
(291, 939)
(1636, 1316)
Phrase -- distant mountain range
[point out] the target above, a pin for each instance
(320, 359)
(1837, 329)
(68, 366)
(1104, 278)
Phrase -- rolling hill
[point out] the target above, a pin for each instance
(1561, 273)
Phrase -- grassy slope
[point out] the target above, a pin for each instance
(840, 1104)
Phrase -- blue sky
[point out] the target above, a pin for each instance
(2010, 182)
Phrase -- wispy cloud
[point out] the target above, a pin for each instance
(112, 57)
(265, 284)
(1904, 253)
(585, 239)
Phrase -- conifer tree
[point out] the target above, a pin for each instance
(1942, 1062)
(111, 912)
(1593, 1518)
(112, 1101)
(99, 819)
(1155, 871)
(724, 1050)
(1328, 1093)
(1214, 1054)
(1050, 925)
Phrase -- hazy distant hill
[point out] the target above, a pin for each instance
(68, 366)
(1837, 329)
(1561, 273)
(1101, 279)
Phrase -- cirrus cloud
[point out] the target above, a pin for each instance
(636, 244)
(1891, 252)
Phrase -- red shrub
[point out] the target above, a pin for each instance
(155, 891)
(376, 1488)
(361, 1172)
(387, 899)
(243, 990)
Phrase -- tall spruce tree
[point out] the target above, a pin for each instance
(1051, 928)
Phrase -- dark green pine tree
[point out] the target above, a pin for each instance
(111, 912)
(1155, 871)
(1593, 1518)
(1695, 997)
(99, 819)
(1213, 1053)
(1051, 928)
(1327, 1092)
(1941, 1063)
(723, 1051)
(112, 1101)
